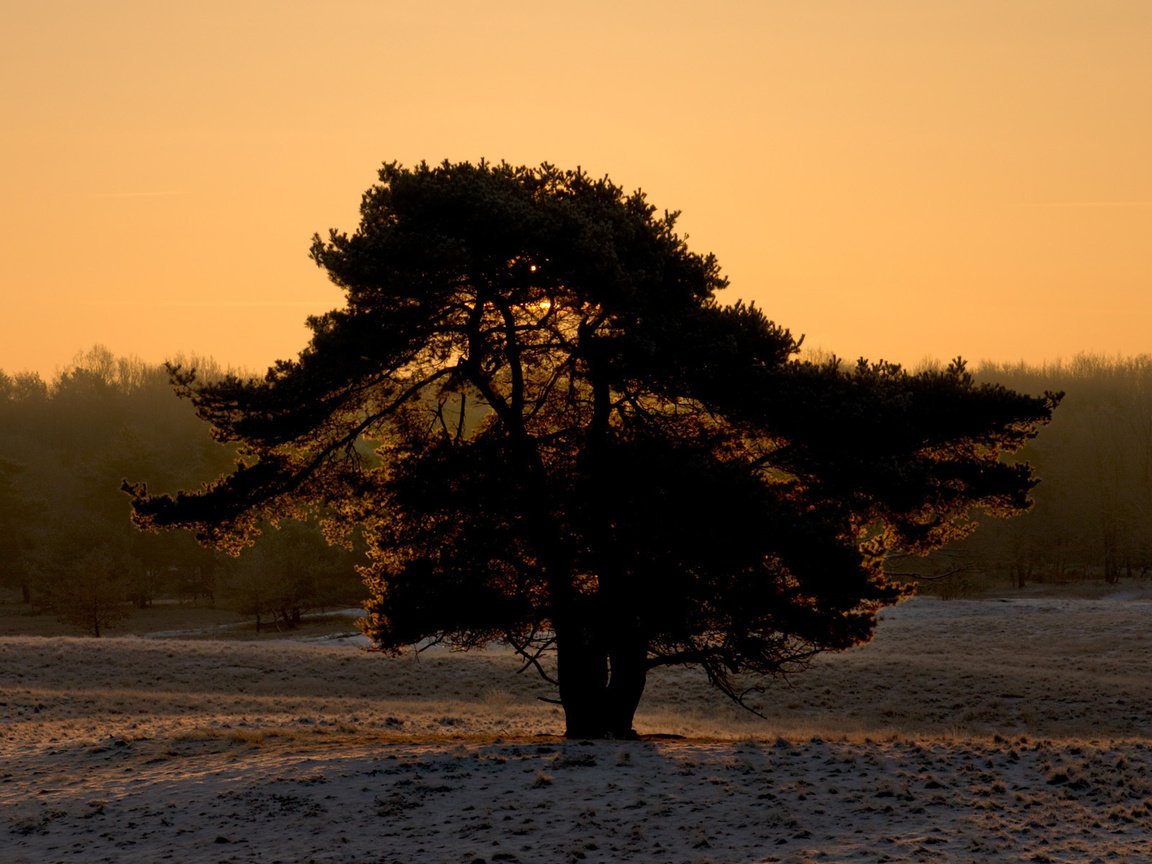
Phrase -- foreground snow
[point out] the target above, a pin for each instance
(967, 732)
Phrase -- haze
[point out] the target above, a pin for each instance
(898, 179)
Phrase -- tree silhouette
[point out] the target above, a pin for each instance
(277, 583)
(575, 446)
(90, 577)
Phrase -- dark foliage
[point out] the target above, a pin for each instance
(575, 445)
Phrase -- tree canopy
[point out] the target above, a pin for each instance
(553, 434)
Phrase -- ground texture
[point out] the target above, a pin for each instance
(996, 730)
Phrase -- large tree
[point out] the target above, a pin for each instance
(553, 434)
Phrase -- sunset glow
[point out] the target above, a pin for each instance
(897, 179)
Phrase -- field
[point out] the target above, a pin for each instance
(1008, 729)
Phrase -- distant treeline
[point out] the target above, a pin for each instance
(66, 542)
(1093, 513)
(67, 545)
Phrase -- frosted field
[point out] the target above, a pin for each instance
(970, 731)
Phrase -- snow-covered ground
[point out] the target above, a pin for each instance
(1016, 730)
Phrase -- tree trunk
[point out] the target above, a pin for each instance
(582, 670)
(601, 681)
(628, 658)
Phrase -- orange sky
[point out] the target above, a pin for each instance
(892, 178)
